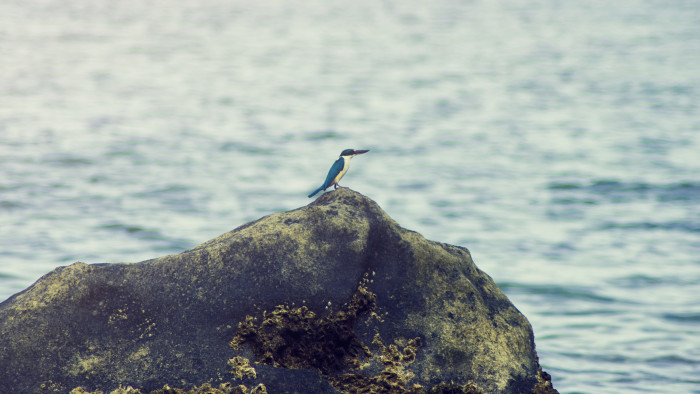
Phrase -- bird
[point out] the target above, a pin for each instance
(338, 169)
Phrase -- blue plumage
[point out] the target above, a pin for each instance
(338, 169)
(313, 193)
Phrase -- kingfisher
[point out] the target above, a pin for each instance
(338, 169)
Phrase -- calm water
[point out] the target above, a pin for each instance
(558, 141)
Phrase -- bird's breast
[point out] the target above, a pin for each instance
(346, 165)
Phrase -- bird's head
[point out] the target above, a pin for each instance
(353, 152)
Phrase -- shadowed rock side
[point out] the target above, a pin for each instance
(334, 296)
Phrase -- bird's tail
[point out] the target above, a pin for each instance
(315, 191)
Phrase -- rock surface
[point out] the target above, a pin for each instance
(334, 296)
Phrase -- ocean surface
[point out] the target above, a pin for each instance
(558, 140)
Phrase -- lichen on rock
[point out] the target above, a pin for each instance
(206, 388)
(393, 378)
(544, 383)
(240, 368)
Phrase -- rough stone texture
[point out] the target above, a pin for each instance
(427, 318)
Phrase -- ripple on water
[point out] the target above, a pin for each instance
(637, 280)
(688, 226)
(670, 359)
(151, 236)
(616, 191)
(556, 293)
(687, 318)
(324, 135)
(11, 205)
(247, 148)
(70, 161)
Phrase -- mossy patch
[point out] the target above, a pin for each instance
(544, 383)
(206, 388)
(241, 368)
(120, 390)
(296, 338)
(224, 388)
(394, 377)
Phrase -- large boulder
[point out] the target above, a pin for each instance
(334, 296)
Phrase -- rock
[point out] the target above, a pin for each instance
(332, 296)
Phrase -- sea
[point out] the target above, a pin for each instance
(559, 141)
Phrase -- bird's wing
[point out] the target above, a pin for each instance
(333, 172)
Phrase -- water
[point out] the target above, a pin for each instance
(558, 141)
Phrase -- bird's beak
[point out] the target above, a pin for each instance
(361, 151)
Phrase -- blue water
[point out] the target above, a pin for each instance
(558, 141)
